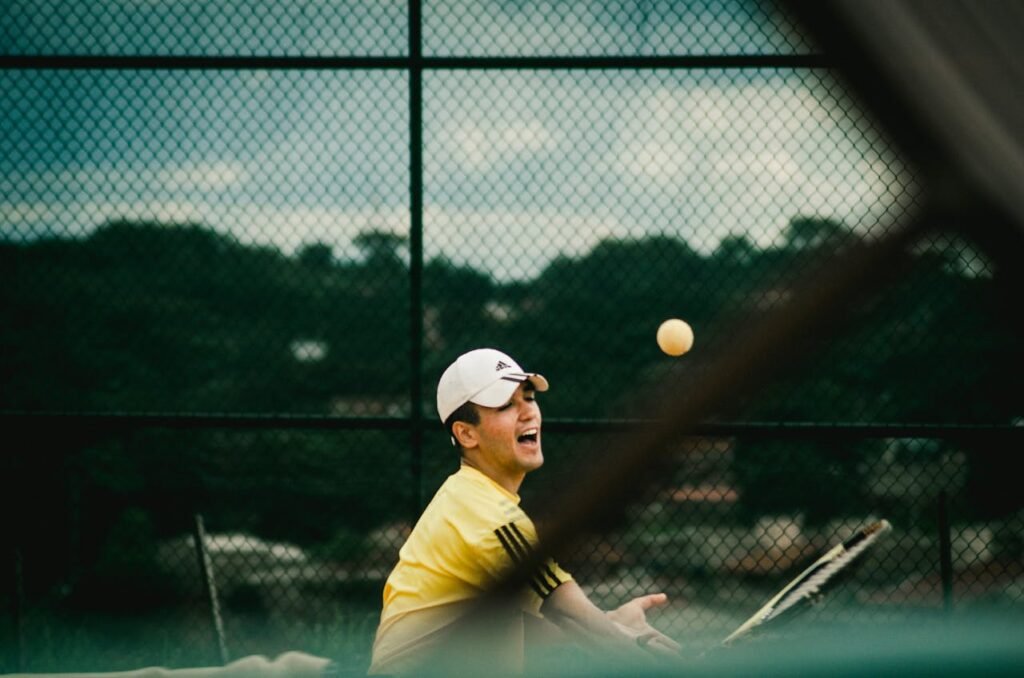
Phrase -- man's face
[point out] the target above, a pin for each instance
(509, 435)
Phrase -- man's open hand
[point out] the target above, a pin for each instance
(631, 618)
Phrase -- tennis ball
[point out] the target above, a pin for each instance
(675, 337)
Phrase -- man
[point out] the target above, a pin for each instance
(473, 532)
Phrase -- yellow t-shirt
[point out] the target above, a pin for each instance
(472, 532)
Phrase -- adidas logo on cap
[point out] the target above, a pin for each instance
(484, 376)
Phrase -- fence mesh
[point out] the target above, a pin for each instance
(233, 239)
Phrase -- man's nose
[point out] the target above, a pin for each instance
(528, 408)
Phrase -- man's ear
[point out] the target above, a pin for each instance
(465, 435)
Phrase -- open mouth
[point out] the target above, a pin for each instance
(530, 435)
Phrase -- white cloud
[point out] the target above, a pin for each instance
(700, 161)
(287, 228)
(481, 146)
(513, 244)
(208, 176)
(213, 176)
(750, 158)
(660, 162)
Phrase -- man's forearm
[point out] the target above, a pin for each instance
(569, 608)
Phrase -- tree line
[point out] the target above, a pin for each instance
(151, 317)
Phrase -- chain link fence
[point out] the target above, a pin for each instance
(240, 242)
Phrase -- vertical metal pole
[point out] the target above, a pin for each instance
(74, 486)
(18, 610)
(15, 477)
(210, 587)
(945, 552)
(416, 251)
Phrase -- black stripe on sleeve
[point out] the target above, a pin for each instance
(546, 566)
(506, 541)
(521, 553)
(544, 572)
(522, 550)
(508, 546)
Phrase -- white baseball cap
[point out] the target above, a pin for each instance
(484, 376)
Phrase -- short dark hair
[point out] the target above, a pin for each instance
(466, 412)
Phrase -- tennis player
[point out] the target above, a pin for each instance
(474, 531)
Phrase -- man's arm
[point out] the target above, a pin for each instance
(623, 630)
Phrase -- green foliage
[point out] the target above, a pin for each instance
(148, 316)
(125, 576)
(345, 545)
(819, 482)
(155, 317)
(597, 315)
(178, 318)
(808, 233)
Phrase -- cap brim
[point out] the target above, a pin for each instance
(500, 392)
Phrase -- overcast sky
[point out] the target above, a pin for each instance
(519, 166)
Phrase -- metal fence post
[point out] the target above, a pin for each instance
(416, 251)
(18, 610)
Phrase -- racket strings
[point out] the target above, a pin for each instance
(817, 577)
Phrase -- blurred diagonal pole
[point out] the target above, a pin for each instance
(956, 201)
(774, 345)
(606, 488)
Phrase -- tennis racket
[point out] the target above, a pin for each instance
(810, 581)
